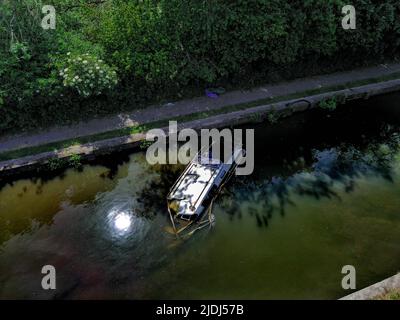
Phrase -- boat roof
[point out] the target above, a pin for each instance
(195, 182)
(193, 186)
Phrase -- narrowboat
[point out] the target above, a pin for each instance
(192, 195)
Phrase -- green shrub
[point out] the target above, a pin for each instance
(273, 117)
(145, 144)
(256, 117)
(75, 161)
(328, 104)
(87, 74)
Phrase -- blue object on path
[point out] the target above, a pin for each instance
(214, 92)
(211, 94)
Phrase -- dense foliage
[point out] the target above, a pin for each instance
(109, 55)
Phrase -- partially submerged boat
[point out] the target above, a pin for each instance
(192, 195)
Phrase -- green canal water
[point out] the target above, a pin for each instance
(325, 193)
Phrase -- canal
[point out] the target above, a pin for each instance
(325, 193)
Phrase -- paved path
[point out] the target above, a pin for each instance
(186, 107)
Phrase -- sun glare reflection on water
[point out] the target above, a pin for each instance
(121, 222)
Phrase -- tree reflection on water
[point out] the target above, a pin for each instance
(340, 165)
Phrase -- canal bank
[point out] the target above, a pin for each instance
(270, 112)
(377, 291)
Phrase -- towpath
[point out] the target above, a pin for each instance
(190, 106)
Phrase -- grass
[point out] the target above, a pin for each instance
(14, 154)
(391, 295)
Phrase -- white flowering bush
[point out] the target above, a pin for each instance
(87, 74)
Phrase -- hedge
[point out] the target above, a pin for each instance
(167, 49)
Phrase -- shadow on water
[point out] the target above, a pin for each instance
(46, 173)
(336, 166)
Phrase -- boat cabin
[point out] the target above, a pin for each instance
(198, 185)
